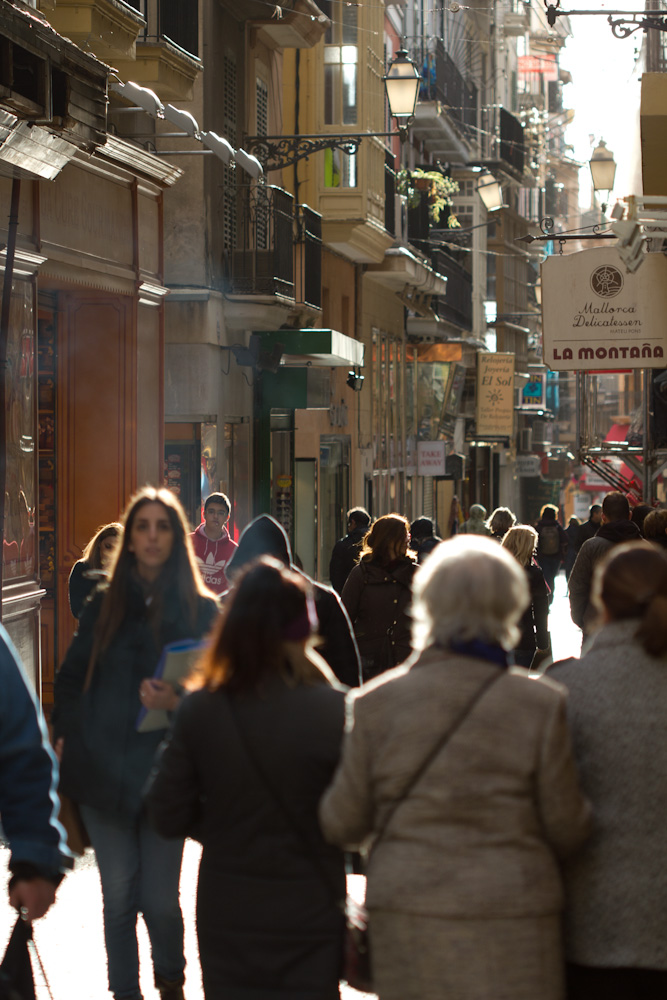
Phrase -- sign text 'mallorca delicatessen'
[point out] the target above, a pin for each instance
(597, 315)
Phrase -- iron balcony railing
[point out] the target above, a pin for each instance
(309, 242)
(503, 138)
(175, 20)
(443, 81)
(456, 305)
(262, 260)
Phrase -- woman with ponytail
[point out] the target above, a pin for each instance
(616, 909)
(154, 596)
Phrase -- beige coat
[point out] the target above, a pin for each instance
(481, 833)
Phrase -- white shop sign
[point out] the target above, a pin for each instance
(595, 315)
(528, 465)
(431, 458)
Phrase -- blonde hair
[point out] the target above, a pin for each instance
(521, 541)
(470, 588)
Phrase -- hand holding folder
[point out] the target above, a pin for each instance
(175, 664)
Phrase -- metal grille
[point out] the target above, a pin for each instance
(311, 257)
(229, 175)
(263, 258)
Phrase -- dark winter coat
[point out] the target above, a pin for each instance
(591, 552)
(105, 760)
(534, 622)
(82, 582)
(267, 920)
(585, 531)
(377, 600)
(563, 540)
(265, 537)
(344, 558)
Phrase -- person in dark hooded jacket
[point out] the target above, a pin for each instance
(616, 528)
(265, 537)
(377, 595)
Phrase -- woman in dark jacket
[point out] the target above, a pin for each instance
(155, 596)
(377, 594)
(90, 569)
(521, 542)
(251, 752)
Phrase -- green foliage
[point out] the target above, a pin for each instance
(439, 190)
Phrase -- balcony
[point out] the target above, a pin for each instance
(298, 27)
(262, 262)
(517, 19)
(503, 143)
(166, 51)
(446, 114)
(456, 306)
(109, 28)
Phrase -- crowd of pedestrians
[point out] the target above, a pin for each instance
(406, 723)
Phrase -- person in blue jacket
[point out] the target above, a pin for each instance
(28, 799)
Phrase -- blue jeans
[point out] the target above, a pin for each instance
(140, 873)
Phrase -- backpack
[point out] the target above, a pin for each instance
(549, 542)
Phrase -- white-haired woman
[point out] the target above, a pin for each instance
(521, 541)
(458, 772)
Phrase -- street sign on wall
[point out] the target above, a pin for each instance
(595, 315)
(495, 395)
(528, 465)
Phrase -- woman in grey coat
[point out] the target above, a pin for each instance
(616, 916)
(464, 888)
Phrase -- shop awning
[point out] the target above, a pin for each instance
(314, 348)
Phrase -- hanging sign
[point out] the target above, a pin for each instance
(546, 65)
(431, 458)
(495, 395)
(528, 466)
(595, 315)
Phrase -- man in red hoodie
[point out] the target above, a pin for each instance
(212, 544)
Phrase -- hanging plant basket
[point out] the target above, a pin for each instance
(440, 190)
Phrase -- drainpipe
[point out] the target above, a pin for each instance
(4, 338)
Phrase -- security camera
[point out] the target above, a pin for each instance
(354, 381)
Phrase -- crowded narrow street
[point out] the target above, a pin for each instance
(70, 937)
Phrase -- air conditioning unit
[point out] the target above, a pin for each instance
(526, 439)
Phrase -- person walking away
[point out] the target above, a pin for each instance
(346, 551)
(423, 537)
(572, 532)
(476, 523)
(460, 767)
(521, 541)
(500, 522)
(28, 799)
(377, 595)
(155, 595)
(551, 545)
(212, 545)
(590, 527)
(616, 528)
(639, 514)
(654, 527)
(252, 750)
(265, 537)
(616, 888)
(90, 569)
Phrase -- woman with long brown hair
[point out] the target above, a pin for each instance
(377, 595)
(154, 596)
(91, 568)
(252, 749)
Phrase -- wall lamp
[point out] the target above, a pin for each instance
(490, 191)
(402, 88)
(355, 380)
(147, 100)
(603, 170)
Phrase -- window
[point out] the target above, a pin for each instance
(341, 66)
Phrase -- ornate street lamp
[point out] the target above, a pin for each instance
(490, 191)
(603, 170)
(402, 86)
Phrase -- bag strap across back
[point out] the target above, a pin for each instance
(294, 825)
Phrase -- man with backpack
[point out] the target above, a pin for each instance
(552, 545)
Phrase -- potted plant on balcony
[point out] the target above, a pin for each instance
(439, 191)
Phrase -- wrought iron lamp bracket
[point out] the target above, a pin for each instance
(621, 27)
(275, 152)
